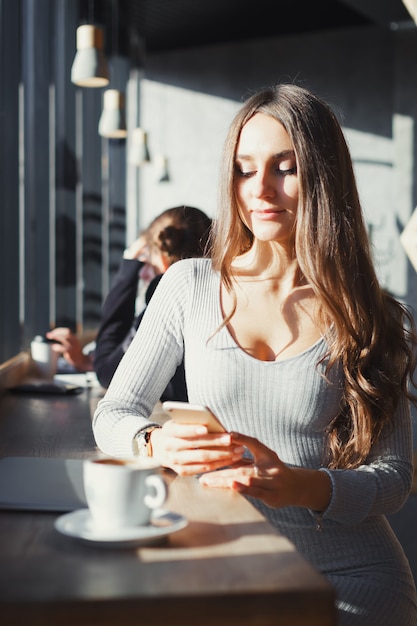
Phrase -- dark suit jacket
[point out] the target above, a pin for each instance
(119, 324)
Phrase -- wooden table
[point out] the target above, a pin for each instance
(227, 567)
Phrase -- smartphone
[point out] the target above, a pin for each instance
(186, 413)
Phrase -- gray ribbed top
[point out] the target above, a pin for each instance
(287, 404)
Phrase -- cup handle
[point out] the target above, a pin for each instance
(161, 491)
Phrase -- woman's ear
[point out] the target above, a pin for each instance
(165, 261)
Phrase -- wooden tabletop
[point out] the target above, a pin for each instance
(227, 567)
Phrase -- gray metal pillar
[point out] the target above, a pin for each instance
(10, 317)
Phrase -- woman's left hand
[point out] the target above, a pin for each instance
(270, 480)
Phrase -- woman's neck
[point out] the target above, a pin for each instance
(267, 261)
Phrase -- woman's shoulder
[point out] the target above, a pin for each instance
(190, 267)
(186, 277)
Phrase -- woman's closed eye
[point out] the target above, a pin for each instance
(288, 172)
(287, 166)
(242, 174)
(280, 171)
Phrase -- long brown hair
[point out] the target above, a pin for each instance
(369, 332)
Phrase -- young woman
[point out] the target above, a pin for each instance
(177, 233)
(289, 339)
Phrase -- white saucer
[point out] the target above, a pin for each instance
(78, 524)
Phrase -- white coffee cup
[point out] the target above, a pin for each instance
(123, 493)
(45, 358)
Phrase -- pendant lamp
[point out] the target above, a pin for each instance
(113, 120)
(162, 168)
(90, 68)
(139, 152)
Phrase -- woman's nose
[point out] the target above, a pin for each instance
(263, 185)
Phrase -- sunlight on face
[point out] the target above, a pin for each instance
(266, 181)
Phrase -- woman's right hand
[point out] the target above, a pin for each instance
(69, 346)
(137, 249)
(190, 449)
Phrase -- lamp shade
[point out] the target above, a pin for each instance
(113, 120)
(139, 152)
(162, 168)
(90, 68)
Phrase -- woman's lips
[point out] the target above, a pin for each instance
(267, 214)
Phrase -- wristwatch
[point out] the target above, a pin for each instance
(142, 442)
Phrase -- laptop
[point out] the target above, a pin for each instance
(41, 484)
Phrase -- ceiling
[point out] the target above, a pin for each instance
(163, 25)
